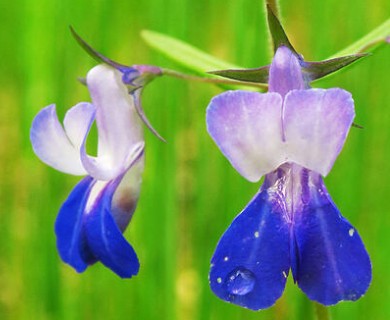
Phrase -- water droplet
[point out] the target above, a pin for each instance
(240, 281)
(257, 234)
(219, 280)
(351, 232)
(226, 259)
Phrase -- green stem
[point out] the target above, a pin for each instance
(179, 75)
(322, 312)
(369, 42)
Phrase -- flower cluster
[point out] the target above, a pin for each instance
(291, 135)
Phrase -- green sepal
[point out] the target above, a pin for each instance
(258, 75)
(93, 53)
(279, 37)
(320, 69)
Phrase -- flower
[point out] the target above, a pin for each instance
(292, 135)
(91, 221)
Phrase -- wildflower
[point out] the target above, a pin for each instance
(292, 135)
(91, 221)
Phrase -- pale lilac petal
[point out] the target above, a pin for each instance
(103, 168)
(316, 124)
(118, 124)
(77, 123)
(285, 73)
(51, 144)
(246, 126)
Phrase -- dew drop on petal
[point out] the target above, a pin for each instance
(240, 281)
(351, 232)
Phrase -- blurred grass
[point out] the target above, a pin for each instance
(190, 193)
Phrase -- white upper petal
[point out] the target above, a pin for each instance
(247, 128)
(119, 126)
(316, 124)
(52, 144)
(77, 123)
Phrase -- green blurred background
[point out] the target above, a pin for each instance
(190, 193)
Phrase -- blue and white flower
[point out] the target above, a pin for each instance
(292, 135)
(91, 221)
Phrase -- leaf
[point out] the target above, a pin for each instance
(369, 42)
(183, 53)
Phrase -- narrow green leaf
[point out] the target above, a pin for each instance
(188, 56)
(369, 42)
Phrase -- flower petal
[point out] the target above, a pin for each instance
(285, 73)
(104, 237)
(51, 143)
(119, 126)
(246, 126)
(316, 124)
(77, 122)
(333, 264)
(252, 259)
(71, 241)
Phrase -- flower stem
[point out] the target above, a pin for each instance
(184, 76)
(321, 312)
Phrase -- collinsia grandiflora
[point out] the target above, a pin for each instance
(91, 221)
(292, 135)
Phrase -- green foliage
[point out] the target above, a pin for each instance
(190, 193)
(183, 53)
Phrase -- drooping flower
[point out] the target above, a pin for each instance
(91, 221)
(292, 135)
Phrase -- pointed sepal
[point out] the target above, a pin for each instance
(134, 77)
(316, 70)
(258, 75)
(278, 34)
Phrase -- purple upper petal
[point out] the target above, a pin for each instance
(57, 147)
(285, 72)
(118, 124)
(316, 124)
(246, 126)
